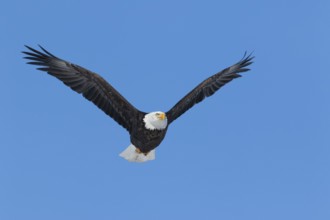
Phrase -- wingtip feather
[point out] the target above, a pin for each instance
(46, 51)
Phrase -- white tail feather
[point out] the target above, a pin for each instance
(132, 155)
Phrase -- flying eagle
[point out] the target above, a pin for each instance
(147, 130)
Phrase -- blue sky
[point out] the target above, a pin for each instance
(257, 149)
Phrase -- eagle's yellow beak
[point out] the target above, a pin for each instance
(161, 116)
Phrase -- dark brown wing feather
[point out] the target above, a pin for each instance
(92, 86)
(208, 87)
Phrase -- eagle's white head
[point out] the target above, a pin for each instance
(155, 120)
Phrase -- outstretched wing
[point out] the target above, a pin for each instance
(92, 86)
(208, 87)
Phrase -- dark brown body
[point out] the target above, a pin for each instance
(144, 139)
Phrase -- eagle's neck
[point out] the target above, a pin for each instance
(151, 122)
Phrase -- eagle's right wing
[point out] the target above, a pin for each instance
(208, 87)
(92, 86)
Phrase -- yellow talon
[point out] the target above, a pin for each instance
(137, 150)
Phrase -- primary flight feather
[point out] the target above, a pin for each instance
(147, 130)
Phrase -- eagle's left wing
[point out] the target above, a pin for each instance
(91, 85)
(208, 87)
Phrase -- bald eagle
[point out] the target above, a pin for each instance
(147, 130)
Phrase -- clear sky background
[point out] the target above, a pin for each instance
(257, 149)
